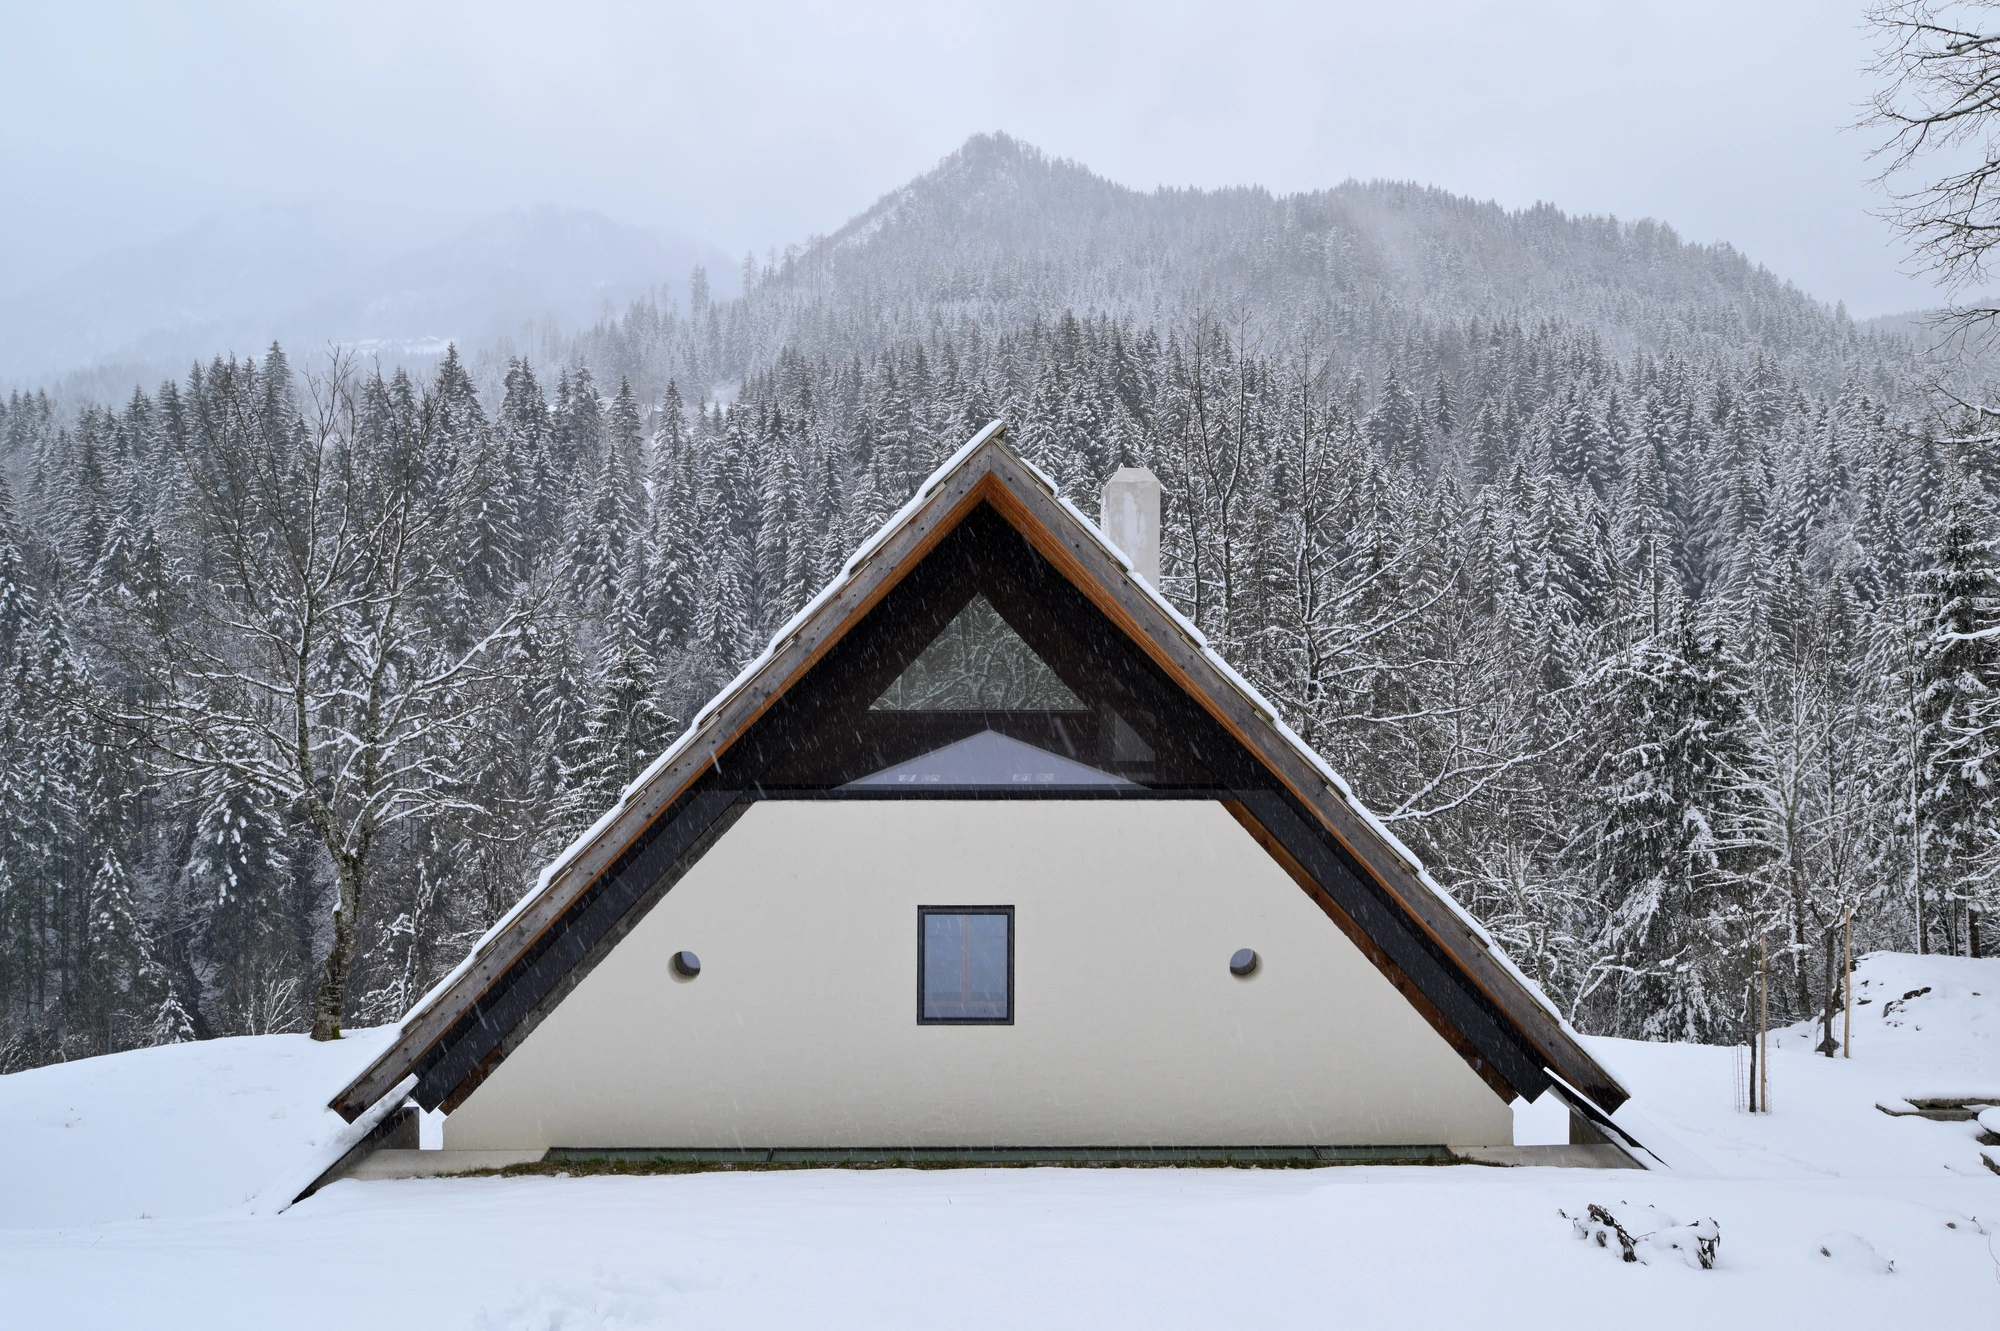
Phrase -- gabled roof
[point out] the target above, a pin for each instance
(1283, 793)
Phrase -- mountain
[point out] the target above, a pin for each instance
(1001, 233)
(236, 284)
(1001, 238)
(998, 236)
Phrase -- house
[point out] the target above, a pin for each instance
(987, 850)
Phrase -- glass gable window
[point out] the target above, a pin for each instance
(984, 674)
(965, 965)
(978, 664)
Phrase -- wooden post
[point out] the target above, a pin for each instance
(1847, 987)
(1763, 1025)
(1750, 1040)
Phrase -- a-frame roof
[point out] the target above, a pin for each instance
(1284, 795)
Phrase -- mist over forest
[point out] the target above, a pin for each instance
(1644, 595)
(311, 278)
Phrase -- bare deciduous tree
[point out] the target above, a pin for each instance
(1938, 111)
(317, 664)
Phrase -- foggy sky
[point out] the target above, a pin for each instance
(755, 125)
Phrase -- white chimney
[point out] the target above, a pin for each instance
(1132, 519)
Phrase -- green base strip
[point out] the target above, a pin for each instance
(933, 1157)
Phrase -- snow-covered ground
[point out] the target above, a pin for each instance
(182, 1130)
(1832, 1214)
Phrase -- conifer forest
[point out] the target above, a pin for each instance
(1652, 602)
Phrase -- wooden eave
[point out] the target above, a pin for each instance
(987, 472)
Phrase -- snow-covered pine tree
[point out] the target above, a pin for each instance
(604, 514)
(1956, 690)
(673, 526)
(235, 870)
(1669, 852)
(626, 726)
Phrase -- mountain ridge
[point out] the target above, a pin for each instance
(997, 234)
(1001, 233)
(999, 238)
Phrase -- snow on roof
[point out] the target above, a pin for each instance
(1334, 781)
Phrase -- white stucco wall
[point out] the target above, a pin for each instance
(1128, 1029)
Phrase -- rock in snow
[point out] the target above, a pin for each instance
(1854, 1252)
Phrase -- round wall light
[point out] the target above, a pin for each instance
(687, 965)
(1243, 962)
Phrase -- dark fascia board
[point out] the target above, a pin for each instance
(986, 471)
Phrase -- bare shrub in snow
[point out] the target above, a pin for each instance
(1659, 1237)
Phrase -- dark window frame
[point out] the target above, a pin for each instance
(924, 913)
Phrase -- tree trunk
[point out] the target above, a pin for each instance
(332, 1002)
(1828, 1045)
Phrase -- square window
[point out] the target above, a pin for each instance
(965, 965)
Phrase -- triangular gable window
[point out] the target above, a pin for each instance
(978, 664)
(983, 673)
